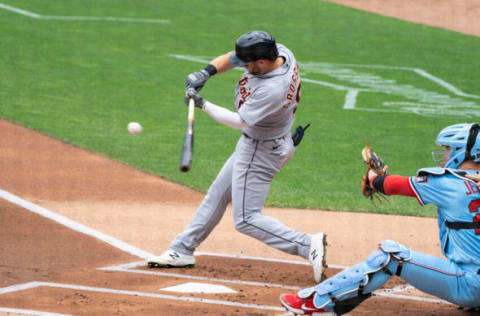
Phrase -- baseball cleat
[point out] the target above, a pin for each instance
(302, 306)
(317, 256)
(172, 259)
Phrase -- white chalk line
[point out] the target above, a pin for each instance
(200, 253)
(74, 225)
(137, 252)
(32, 285)
(467, 109)
(420, 72)
(29, 312)
(78, 18)
(382, 293)
(200, 278)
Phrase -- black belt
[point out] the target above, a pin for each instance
(462, 225)
(263, 140)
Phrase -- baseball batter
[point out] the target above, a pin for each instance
(456, 278)
(266, 98)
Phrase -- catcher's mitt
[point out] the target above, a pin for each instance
(376, 165)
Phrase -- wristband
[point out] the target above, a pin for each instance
(211, 69)
(378, 183)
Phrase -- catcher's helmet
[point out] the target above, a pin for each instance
(464, 141)
(253, 46)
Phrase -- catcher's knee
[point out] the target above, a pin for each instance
(344, 291)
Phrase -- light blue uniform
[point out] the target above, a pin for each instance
(455, 279)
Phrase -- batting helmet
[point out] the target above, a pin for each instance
(464, 141)
(253, 46)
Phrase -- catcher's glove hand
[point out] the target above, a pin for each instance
(375, 167)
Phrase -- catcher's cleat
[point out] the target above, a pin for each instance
(317, 256)
(172, 259)
(302, 306)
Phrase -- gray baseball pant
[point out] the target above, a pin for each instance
(245, 181)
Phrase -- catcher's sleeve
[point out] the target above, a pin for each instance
(393, 185)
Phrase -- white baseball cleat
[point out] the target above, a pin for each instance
(317, 256)
(172, 259)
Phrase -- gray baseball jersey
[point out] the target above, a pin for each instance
(267, 104)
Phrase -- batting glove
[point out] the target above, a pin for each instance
(298, 135)
(191, 93)
(197, 80)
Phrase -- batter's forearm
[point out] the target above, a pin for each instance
(222, 63)
(224, 116)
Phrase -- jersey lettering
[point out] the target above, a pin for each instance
(294, 89)
(471, 188)
(244, 92)
(477, 220)
(474, 207)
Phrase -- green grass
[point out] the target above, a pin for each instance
(83, 81)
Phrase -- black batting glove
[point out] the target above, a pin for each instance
(191, 93)
(298, 135)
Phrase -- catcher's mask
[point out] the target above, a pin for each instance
(254, 46)
(461, 143)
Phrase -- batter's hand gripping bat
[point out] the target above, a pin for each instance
(187, 151)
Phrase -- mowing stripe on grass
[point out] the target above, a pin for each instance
(79, 18)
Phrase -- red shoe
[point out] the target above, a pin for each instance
(302, 306)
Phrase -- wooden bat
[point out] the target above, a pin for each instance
(187, 151)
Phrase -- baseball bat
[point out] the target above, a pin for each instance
(187, 151)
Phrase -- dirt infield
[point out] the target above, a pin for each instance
(459, 15)
(76, 228)
(48, 267)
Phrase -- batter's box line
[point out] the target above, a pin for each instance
(133, 250)
(129, 268)
(389, 293)
(33, 285)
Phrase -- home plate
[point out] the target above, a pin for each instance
(193, 287)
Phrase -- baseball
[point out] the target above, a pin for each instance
(134, 128)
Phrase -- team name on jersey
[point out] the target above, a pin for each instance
(471, 188)
(244, 91)
(294, 89)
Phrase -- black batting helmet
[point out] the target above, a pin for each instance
(253, 46)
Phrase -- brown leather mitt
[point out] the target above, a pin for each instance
(376, 164)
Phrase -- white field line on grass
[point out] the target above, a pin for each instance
(418, 100)
(143, 254)
(78, 18)
(420, 72)
(32, 285)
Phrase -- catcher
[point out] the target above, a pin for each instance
(452, 188)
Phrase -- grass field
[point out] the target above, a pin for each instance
(366, 77)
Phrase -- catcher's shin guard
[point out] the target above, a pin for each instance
(347, 289)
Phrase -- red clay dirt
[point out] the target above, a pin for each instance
(147, 212)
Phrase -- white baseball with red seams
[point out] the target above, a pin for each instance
(134, 128)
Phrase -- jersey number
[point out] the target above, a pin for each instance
(474, 207)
